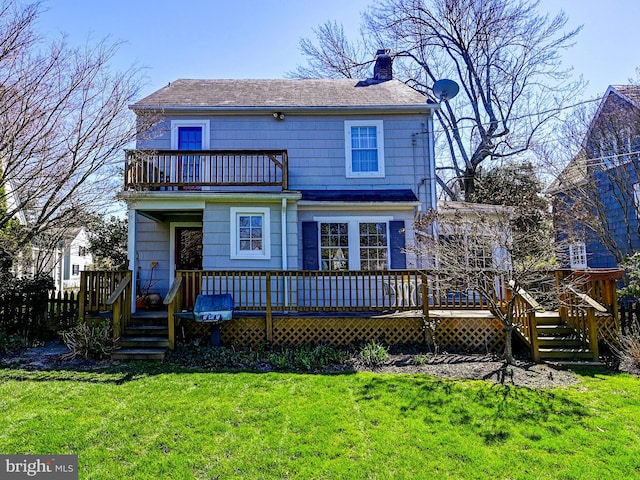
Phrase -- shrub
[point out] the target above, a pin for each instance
(89, 341)
(10, 343)
(306, 357)
(374, 354)
(630, 349)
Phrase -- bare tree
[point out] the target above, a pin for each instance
(472, 255)
(504, 55)
(64, 121)
(596, 198)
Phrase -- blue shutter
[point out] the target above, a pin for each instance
(310, 251)
(396, 232)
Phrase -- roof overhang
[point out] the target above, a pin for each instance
(426, 109)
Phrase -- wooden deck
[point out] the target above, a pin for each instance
(340, 308)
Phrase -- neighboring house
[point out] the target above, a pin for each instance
(63, 259)
(243, 175)
(61, 254)
(596, 196)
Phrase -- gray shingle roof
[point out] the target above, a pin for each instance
(281, 93)
(632, 92)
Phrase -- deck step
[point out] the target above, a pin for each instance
(548, 318)
(144, 342)
(556, 330)
(559, 341)
(154, 317)
(576, 363)
(565, 353)
(138, 354)
(146, 330)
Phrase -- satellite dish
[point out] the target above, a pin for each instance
(445, 89)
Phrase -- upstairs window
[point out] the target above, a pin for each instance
(364, 148)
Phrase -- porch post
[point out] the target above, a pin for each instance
(533, 334)
(593, 332)
(268, 315)
(131, 255)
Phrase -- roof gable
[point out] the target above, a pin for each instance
(614, 110)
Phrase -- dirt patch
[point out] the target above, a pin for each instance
(478, 367)
(473, 367)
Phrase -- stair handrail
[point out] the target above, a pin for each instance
(589, 301)
(120, 303)
(173, 300)
(526, 316)
(588, 329)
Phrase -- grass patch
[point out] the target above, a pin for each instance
(159, 422)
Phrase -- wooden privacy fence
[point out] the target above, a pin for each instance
(35, 316)
(630, 318)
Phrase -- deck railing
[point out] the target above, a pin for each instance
(308, 291)
(333, 291)
(579, 311)
(479, 291)
(205, 169)
(525, 307)
(96, 287)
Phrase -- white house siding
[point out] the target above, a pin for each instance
(73, 258)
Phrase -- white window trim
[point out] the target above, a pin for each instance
(348, 152)
(204, 124)
(578, 249)
(265, 253)
(636, 198)
(354, 235)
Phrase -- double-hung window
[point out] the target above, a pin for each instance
(250, 233)
(364, 148)
(354, 244)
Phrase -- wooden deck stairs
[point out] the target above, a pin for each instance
(145, 338)
(558, 342)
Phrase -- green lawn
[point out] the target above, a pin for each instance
(152, 422)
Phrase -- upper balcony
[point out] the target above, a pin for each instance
(205, 169)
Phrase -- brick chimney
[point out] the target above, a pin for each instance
(383, 69)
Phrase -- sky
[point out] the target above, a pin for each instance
(260, 38)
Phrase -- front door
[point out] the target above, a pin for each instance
(188, 252)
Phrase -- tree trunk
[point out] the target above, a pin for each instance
(508, 344)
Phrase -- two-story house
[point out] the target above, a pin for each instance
(596, 197)
(244, 175)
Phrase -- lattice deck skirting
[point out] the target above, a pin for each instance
(608, 329)
(470, 334)
(458, 334)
